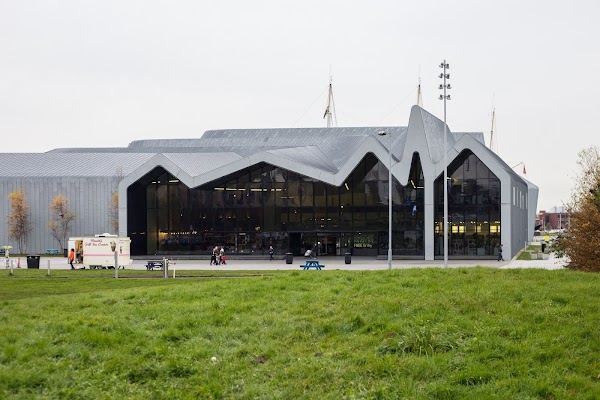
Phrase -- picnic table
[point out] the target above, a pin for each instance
(52, 252)
(312, 264)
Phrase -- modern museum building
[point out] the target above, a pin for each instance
(324, 189)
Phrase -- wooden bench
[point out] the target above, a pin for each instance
(52, 252)
(151, 264)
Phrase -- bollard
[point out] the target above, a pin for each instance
(11, 267)
(116, 265)
(165, 267)
(49, 268)
(174, 268)
(19, 262)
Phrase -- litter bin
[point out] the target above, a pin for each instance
(543, 247)
(33, 262)
(65, 253)
(348, 258)
(289, 258)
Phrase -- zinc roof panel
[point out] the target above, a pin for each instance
(69, 164)
(309, 155)
(195, 164)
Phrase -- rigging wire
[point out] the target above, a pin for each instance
(397, 105)
(309, 107)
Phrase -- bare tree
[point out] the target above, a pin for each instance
(18, 220)
(113, 212)
(61, 217)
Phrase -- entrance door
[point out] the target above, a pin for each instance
(322, 244)
(328, 244)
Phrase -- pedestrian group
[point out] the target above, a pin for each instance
(218, 256)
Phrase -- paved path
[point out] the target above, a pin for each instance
(358, 264)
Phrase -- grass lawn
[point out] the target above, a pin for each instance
(419, 334)
(525, 255)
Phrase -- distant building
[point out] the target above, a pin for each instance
(556, 218)
(324, 189)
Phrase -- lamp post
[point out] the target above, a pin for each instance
(384, 133)
(445, 97)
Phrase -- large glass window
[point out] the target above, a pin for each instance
(473, 209)
(263, 205)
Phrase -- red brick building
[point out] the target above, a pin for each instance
(556, 218)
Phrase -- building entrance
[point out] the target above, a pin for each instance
(321, 244)
(328, 244)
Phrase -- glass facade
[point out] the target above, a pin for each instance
(473, 209)
(262, 206)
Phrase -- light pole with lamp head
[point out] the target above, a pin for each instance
(445, 97)
(384, 133)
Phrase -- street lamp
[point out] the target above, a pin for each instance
(384, 133)
(445, 97)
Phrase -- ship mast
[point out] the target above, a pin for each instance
(329, 115)
(492, 129)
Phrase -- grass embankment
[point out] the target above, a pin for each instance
(426, 333)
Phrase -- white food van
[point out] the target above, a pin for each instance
(99, 251)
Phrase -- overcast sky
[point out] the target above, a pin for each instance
(105, 73)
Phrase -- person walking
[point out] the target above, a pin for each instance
(213, 256)
(271, 251)
(221, 255)
(500, 258)
(71, 258)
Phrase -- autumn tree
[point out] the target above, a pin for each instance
(18, 221)
(581, 241)
(113, 211)
(61, 217)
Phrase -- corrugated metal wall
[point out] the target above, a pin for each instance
(89, 198)
(518, 216)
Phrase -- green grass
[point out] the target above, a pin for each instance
(419, 334)
(525, 255)
(530, 253)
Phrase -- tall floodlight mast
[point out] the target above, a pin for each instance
(445, 97)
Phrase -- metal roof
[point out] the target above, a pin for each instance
(69, 164)
(195, 164)
(324, 149)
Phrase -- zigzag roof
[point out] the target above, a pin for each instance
(329, 154)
